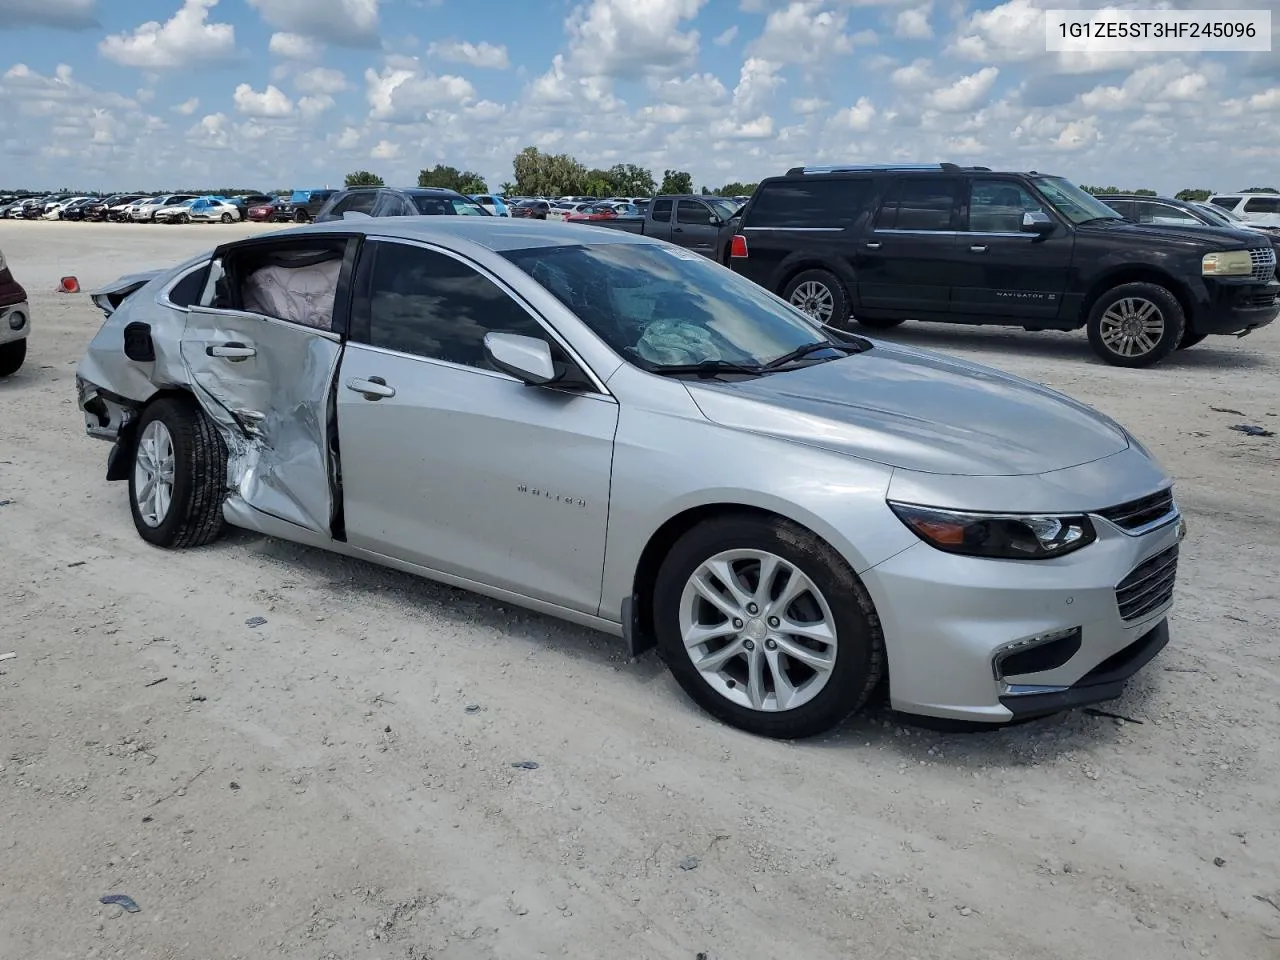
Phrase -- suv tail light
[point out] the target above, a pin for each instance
(738, 247)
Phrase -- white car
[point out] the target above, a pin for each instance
(561, 211)
(1262, 209)
(144, 209)
(200, 210)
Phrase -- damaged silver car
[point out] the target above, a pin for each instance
(612, 430)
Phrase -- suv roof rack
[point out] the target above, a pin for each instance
(865, 167)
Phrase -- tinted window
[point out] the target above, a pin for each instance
(693, 212)
(1227, 203)
(1149, 212)
(809, 203)
(1123, 207)
(918, 203)
(997, 206)
(662, 210)
(186, 292)
(1262, 205)
(445, 206)
(359, 201)
(430, 305)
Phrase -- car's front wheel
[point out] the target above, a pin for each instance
(12, 356)
(227, 218)
(1136, 324)
(820, 294)
(301, 217)
(766, 627)
(179, 475)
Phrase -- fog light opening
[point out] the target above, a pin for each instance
(17, 320)
(1036, 654)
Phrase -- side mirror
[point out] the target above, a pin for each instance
(1037, 221)
(716, 221)
(525, 358)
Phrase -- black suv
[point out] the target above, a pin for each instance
(392, 202)
(950, 244)
(303, 205)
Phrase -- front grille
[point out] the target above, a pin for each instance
(1149, 586)
(1264, 263)
(1140, 512)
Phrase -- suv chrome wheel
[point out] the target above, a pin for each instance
(758, 630)
(815, 299)
(1131, 327)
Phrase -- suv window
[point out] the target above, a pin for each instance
(1227, 203)
(358, 201)
(1262, 205)
(997, 206)
(430, 305)
(693, 212)
(1153, 212)
(809, 203)
(445, 205)
(662, 210)
(918, 203)
(1122, 207)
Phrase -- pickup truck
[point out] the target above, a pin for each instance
(704, 225)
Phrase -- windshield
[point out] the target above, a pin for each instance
(1073, 203)
(724, 208)
(448, 206)
(1218, 215)
(660, 306)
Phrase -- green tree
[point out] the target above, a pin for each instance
(506, 186)
(631, 180)
(736, 189)
(1261, 190)
(599, 183)
(1193, 193)
(1105, 191)
(676, 181)
(451, 178)
(363, 178)
(548, 175)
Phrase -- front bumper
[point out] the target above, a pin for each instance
(948, 620)
(1238, 307)
(15, 322)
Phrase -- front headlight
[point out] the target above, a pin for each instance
(994, 535)
(1229, 263)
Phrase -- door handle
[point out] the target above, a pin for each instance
(978, 248)
(873, 246)
(233, 351)
(375, 388)
(678, 230)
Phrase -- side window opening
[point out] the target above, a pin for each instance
(187, 291)
(997, 206)
(297, 284)
(662, 210)
(918, 203)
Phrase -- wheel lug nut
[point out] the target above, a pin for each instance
(774, 621)
(748, 644)
(771, 644)
(737, 624)
(752, 609)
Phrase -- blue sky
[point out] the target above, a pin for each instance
(272, 93)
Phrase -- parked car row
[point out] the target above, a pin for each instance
(132, 208)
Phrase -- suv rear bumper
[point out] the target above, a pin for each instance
(1238, 307)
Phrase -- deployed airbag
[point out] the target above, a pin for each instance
(299, 294)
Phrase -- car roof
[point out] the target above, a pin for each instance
(496, 233)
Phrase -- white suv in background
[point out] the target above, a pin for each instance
(1260, 208)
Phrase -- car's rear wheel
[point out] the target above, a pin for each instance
(820, 294)
(1136, 324)
(301, 217)
(12, 356)
(179, 475)
(880, 323)
(227, 218)
(766, 627)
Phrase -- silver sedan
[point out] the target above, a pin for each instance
(616, 431)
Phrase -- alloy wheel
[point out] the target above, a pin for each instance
(1131, 327)
(758, 630)
(154, 464)
(815, 299)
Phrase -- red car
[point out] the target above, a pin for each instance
(264, 212)
(599, 211)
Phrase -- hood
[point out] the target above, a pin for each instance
(1202, 237)
(917, 411)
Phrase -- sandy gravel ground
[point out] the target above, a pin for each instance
(337, 784)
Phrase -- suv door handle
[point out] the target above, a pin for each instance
(375, 388)
(978, 248)
(873, 245)
(233, 351)
(678, 230)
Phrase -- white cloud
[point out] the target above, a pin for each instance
(63, 14)
(807, 105)
(1077, 135)
(965, 94)
(1151, 86)
(803, 32)
(385, 150)
(483, 55)
(271, 102)
(857, 117)
(726, 37)
(187, 107)
(185, 39)
(312, 107)
(1010, 32)
(213, 132)
(627, 38)
(320, 80)
(405, 94)
(352, 23)
(294, 46)
(915, 76)
(913, 23)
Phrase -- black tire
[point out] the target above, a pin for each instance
(1174, 323)
(194, 515)
(301, 217)
(860, 657)
(1190, 338)
(12, 356)
(827, 289)
(227, 218)
(880, 323)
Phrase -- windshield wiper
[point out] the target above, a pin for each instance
(709, 368)
(799, 353)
